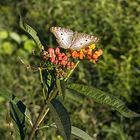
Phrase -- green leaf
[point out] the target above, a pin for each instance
(7, 48)
(29, 45)
(61, 87)
(31, 32)
(61, 118)
(80, 134)
(104, 98)
(26, 113)
(76, 132)
(11, 98)
(3, 34)
(15, 37)
(22, 53)
(17, 111)
(75, 98)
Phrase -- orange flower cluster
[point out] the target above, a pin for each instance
(89, 53)
(57, 58)
(62, 60)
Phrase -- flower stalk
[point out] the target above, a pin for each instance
(38, 120)
(62, 63)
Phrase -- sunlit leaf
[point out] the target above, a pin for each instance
(76, 132)
(61, 118)
(15, 37)
(29, 45)
(80, 134)
(104, 98)
(31, 32)
(7, 48)
(3, 34)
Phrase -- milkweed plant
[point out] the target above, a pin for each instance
(59, 65)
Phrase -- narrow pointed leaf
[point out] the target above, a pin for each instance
(10, 97)
(31, 32)
(80, 134)
(21, 106)
(76, 132)
(17, 113)
(61, 87)
(104, 98)
(61, 118)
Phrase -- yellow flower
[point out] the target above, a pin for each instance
(92, 46)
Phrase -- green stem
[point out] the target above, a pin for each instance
(42, 84)
(71, 71)
(38, 121)
(45, 110)
(46, 126)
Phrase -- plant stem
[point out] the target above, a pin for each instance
(41, 115)
(42, 84)
(39, 120)
(45, 110)
(71, 71)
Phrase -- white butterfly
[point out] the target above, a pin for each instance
(68, 39)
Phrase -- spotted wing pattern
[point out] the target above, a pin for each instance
(81, 40)
(63, 36)
(66, 38)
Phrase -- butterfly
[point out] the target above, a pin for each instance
(69, 39)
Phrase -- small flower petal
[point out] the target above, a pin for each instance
(51, 51)
(57, 50)
(75, 54)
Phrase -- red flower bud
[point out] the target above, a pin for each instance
(53, 55)
(63, 54)
(57, 50)
(65, 58)
(51, 51)
(59, 56)
(70, 65)
(56, 62)
(63, 62)
(52, 59)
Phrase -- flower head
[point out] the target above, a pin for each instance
(89, 52)
(64, 61)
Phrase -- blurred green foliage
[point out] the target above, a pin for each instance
(117, 25)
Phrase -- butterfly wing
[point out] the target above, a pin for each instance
(81, 40)
(63, 36)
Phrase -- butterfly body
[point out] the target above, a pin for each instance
(68, 39)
